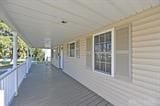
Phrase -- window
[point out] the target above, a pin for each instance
(72, 49)
(103, 53)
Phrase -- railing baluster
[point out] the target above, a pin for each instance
(2, 85)
(16, 81)
(11, 80)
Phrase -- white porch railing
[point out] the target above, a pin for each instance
(11, 80)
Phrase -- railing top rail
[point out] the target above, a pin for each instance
(10, 70)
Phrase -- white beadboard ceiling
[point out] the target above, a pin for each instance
(39, 21)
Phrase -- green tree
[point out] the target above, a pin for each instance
(5, 46)
(6, 40)
(22, 48)
(4, 29)
(37, 54)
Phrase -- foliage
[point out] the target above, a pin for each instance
(6, 40)
(37, 54)
(22, 48)
(6, 48)
(4, 29)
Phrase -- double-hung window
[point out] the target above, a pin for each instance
(72, 47)
(103, 48)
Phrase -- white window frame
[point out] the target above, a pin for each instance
(112, 50)
(74, 50)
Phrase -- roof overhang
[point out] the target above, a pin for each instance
(51, 22)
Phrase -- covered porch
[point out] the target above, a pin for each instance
(110, 46)
(48, 86)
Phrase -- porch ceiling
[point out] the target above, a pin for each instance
(40, 20)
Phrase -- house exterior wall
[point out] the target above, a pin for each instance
(144, 87)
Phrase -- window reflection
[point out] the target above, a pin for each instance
(102, 50)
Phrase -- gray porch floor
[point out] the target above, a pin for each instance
(47, 86)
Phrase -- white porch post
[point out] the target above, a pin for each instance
(27, 60)
(14, 49)
(2, 98)
(30, 57)
(30, 50)
(15, 61)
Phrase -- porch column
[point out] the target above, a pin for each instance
(15, 61)
(14, 49)
(31, 53)
(28, 58)
(27, 61)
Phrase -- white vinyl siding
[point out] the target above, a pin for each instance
(146, 52)
(144, 88)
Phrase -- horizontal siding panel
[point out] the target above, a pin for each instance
(136, 90)
(146, 32)
(147, 19)
(153, 62)
(148, 86)
(149, 74)
(145, 26)
(147, 43)
(152, 81)
(154, 36)
(151, 68)
(145, 55)
(153, 49)
(83, 44)
(78, 63)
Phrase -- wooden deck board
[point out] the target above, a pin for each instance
(47, 86)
